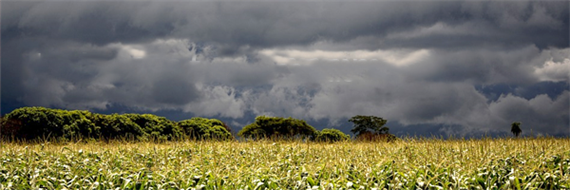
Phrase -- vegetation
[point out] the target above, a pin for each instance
(202, 128)
(370, 128)
(31, 123)
(522, 163)
(516, 128)
(331, 135)
(277, 128)
(138, 153)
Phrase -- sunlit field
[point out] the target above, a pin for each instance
(531, 163)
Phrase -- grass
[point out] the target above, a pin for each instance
(530, 163)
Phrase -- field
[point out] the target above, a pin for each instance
(530, 163)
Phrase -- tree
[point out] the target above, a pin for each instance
(202, 128)
(331, 135)
(277, 127)
(156, 127)
(9, 127)
(516, 129)
(36, 122)
(363, 124)
(39, 123)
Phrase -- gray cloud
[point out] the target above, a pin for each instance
(540, 114)
(259, 24)
(415, 63)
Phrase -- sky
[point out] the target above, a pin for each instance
(431, 68)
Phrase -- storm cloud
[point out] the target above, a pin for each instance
(465, 67)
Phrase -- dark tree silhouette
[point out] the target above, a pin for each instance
(363, 124)
(516, 129)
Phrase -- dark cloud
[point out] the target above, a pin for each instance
(267, 24)
(480, 66)
(458, 67)
(540, 114)
(172, 90)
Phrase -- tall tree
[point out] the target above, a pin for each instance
(516, 128)
(362, 124)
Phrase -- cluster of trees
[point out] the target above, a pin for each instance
(39, 123)
(289, 128)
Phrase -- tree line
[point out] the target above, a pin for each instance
(31, 123)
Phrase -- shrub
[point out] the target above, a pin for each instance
(331, 135)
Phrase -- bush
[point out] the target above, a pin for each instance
(331, 135)
(202, 128)
(277, 127)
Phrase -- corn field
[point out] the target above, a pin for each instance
(505, 163)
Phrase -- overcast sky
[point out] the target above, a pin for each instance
(428, 67)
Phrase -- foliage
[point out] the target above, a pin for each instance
(156, 127)
(516, 129)
(277, 127)
(202, 128)
(43, 123)
(367, 123)
(331, 135)
(524, 163)
(9, 127)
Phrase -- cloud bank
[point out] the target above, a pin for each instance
(464, 66)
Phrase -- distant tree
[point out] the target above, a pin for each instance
(120, 126)
(36, 122)
(363, 124)
(277, 127)
(516, 129)
(41, 123)
(156, 127)
(78, 124)
(203, 128)
(331, 135)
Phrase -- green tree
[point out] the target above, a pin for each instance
(516, 129)
(78, 124)
(363, 124)
(203, 128)
(39, 123)
(156, 127)
(331, 135)
(277, 127)
(118, 126)
(36, 122)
